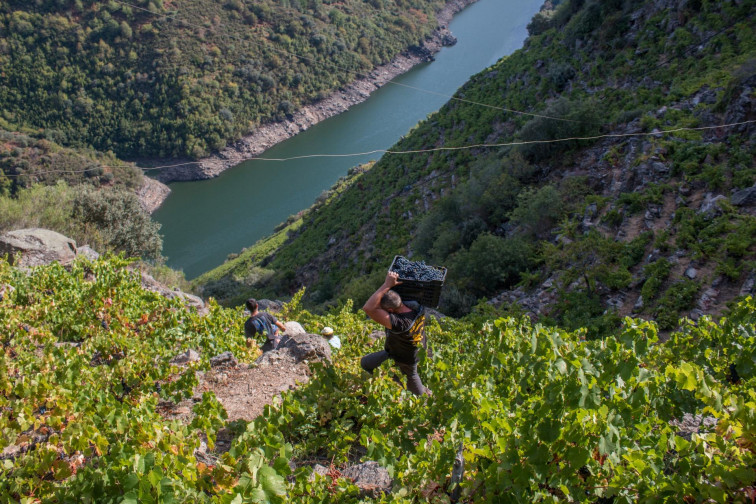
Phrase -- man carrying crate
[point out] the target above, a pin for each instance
(405, 332)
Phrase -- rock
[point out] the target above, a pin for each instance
(224, 359)
(691, 424)
(430, 312)
(88, 252)
(372, 479)
(691, 272)
(744, 197)
(268, 305)
(27, 248)
(616, 302)
(309, 347)
(318, 469)
(190, 300)
(638, 306)
(152, 194)
(710, 206)
(297, 348)
(448, 40)
(186, 357)
(293, 329)
(706, 96)
(653, 256)
(748, 286)
(708, 299)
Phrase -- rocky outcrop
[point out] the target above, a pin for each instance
(196, 302)
(152, 193)
(268, 135)
(744, 197)
(27, 248)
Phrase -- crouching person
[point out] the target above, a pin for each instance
(405, 332)
(263, 323)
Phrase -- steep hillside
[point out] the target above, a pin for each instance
(613, 175)
(164, 78)
(535, 414)
(93, 197)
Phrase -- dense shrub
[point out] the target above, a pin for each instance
(119, 222)
(108, 220)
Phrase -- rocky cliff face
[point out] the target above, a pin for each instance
(152, 193)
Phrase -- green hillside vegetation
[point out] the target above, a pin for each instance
(26, 160)
(159, 78)
(542, 415)
(501, 217)
(86, 195)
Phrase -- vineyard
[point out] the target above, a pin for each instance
(542, 415)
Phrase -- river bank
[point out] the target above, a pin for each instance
(268, 135)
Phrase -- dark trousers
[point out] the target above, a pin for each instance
(271, 343)
(375, 359)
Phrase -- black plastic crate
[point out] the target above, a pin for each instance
(427, 293)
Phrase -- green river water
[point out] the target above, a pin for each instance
(204, 221)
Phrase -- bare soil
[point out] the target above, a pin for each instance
(243, 390)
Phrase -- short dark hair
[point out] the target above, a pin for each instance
(251, 305)
(391, 300)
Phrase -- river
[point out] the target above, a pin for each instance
(204, 221)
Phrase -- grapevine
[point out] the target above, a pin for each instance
(542, 415)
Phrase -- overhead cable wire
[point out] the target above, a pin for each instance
(506, 144)
(425, 151)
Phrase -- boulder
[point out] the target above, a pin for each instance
(297, 348)
(744, 197)
(88, 252)
(294, 329)
(710, 206)
(309, 347)
(372, 479)
(27, 248)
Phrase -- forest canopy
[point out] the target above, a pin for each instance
(154, 78)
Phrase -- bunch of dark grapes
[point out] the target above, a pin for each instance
(416, 270)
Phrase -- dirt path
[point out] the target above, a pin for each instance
(245, 389)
